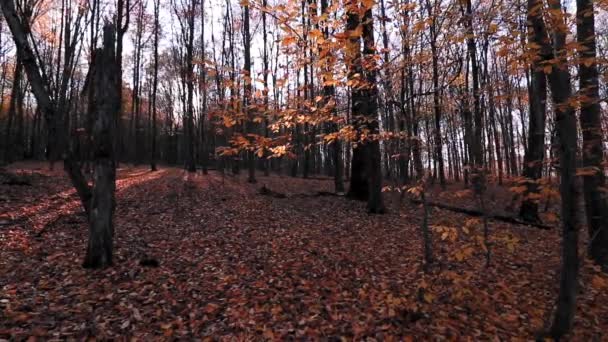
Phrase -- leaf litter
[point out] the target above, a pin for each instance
(235, 264)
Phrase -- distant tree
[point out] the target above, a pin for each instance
(122, 18)
(135, 122)
(432, 9)
(155, 85)
(247, 92)
(185, 12)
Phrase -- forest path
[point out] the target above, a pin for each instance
(235, 263)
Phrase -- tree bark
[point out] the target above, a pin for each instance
(247, 96)
(101, 227)
(565, 118)
(438, 141)
(537, 93)
(329, 92)
(596, 207)
(204, 160)
(359, 178)
(154, 85)
(189, 70)
(12, 111)
(373, 161)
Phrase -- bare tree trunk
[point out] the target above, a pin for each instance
(436, 101)
(247, 95)
(414, 139)
(492, 117)
(565, 118)
(596, 207)
(266, 71)
(537, 93)
(203, 81)
(101, 227)
(359, 188)
(477, 146)
(136, 126)
(12, 111)
(375, 202)
(154, 85)
(123, 16)
(190, 160)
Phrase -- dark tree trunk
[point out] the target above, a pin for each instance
(476, 144)
(358, 178)
(366, 173)
(266, 71)
(496, 135)
(329, 101)
(438, 141)
(248, 95)
(189, 70)
(415, 140)
(154, 86)
(123, 15)
(136, 126)
(596, 207)
(12, 111)
(101, 227)
(565, 118)
(537, 93)
(305, 146)
(204, 160)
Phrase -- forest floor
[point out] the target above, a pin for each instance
(238, 264)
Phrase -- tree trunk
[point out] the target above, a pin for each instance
(329, 102)
(204, 160)
(247, 96)
(476, 144)
(12, 111)
(537, 93)
(265, 71)
(123, 15)
(437, 117)
(190, 160)
(154, 86)
(101, 228)
(596, 207)
(565, 118)
(359, 178)
(375, 203)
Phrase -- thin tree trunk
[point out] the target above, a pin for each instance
(154, 85)
(436, 102)
(329, 101)
(247, 96)
(12, 111)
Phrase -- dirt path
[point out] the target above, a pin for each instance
(234, 263)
